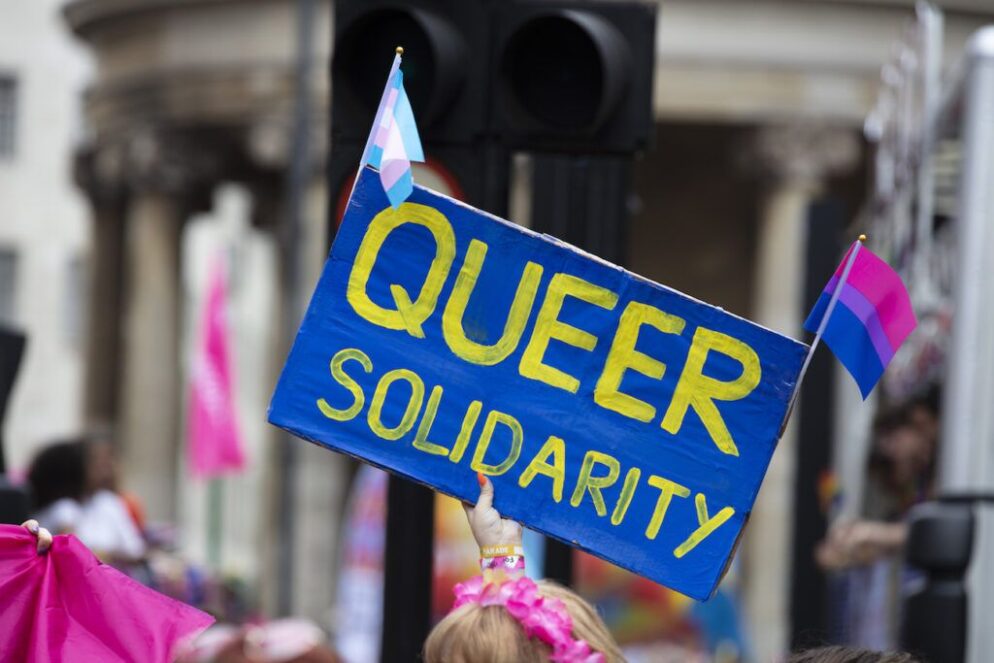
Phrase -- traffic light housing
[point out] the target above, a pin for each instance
(575, 77)
(444, 65)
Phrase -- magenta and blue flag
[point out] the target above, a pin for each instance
(394, 142)
(870, 319)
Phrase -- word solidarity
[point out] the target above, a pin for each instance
(612, 413)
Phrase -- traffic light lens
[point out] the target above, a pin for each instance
(366, 49)
(554, 71)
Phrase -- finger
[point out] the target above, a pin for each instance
(31, 526)
(486, 500)
(468, 510)
(44, 540)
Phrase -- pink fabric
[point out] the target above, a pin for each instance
(67, 606)
(213, 438)
(541, 617)
(883, 288)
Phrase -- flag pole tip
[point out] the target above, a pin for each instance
(400, 50)
(862, 238)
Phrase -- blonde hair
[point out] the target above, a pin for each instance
(477, 634)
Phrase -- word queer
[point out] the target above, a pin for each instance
(598, 471)
(694, 390)
(612, 413)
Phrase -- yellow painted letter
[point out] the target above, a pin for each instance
(624, 356)
(421, 437)
(707, 525)
(586, 482)
(337, 372)
(667, 489)
(468, 424)
(696, 390)
(517, 317)
(486, 436)
(625, 499)
(548, 327)
(375, 416)
(555, 447)
(408, 315)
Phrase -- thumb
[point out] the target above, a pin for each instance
(486, 493)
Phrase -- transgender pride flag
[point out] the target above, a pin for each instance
(864, 315)
(393, 142)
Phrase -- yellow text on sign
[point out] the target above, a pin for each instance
(694, 389)
(398, 411)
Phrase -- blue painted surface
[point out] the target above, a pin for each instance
(689, 457)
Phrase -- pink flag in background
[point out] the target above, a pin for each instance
(213, 438)
(67, 606)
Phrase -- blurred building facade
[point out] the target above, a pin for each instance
(44, 225)
(190, 116)
(759, 110)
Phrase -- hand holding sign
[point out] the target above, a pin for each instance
(489, 529)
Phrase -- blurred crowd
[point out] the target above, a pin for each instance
(74, 490)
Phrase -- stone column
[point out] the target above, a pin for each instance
(797, 159)
(96, 174)
(150, 383)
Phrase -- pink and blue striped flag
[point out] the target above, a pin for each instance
(393, 142)
(868, 315)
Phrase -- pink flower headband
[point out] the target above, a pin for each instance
(541, 617)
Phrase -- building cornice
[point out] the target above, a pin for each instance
(86, 16)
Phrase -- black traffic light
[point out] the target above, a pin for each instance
(445, 65)
(488, 76)
(575, 77)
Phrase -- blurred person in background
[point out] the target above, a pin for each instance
(102, 476)
(900, 474)
(866, 553)
(57, 477)
(72, 485)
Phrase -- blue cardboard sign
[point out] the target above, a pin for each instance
(615, 414)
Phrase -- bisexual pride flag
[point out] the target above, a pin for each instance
(864, 314)
(393, 142)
